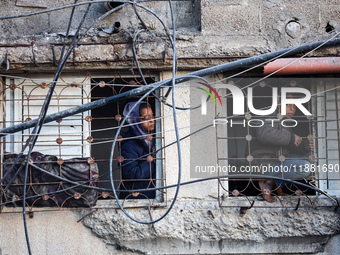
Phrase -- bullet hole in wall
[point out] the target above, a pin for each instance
(117, 24)
(329, 28)
(111, 5)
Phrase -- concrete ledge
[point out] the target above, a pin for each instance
(201, 227)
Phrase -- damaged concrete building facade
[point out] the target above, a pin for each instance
(124, 46)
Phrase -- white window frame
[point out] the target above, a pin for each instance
(17, 111)
(324, 149)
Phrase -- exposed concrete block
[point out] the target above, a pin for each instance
(20, 54)
(231, 20)
(93, 52)
(43, 53)
(57, 52)
(229, 28)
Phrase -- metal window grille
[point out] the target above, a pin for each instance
(83, 140)
(233, 143)
(326, 105)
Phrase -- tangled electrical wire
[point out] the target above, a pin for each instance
(148, 89)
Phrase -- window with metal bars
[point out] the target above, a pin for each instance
(326, 106)
(75, 148)
(236, 141)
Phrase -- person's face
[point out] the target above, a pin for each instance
(147, 119)
(290, 110)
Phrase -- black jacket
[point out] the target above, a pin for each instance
(272, 140)
(139, 169)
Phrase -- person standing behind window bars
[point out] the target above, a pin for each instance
(273, 140)
(138, 142)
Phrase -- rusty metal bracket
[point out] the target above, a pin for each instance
(298, 204)
(31, 214)
(153, 225)
(337, 207)
(53, 55)
(34, 57)
(74, 57)
(243, 210)
(211, 214)
(88, 214)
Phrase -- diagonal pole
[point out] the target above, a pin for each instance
(166, 83)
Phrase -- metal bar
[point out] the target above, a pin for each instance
(33, 53)
(337, 116)
(142, 90)
(159, 163)
(88, 214)
(326, 130)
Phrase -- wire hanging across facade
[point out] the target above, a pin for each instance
(76, 148)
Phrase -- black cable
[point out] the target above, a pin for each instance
(35, 134)
(68, 32)
(177, 141)
(61, 8)
(208, 71)
(102, 175)
(135, 55)
(164, 187)
(177, 137)
(60, 66)
(50, 92)
(10, 181)
(111, 159)
(162, 100)
(233, 176)
(174, 72)
(172, 80)
(170, 88)
(139, 17)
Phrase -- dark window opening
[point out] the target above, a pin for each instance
(106, 118)
(238, 145)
